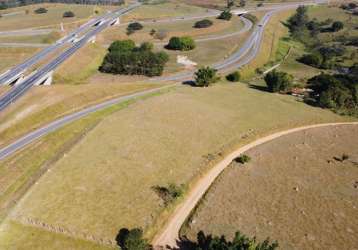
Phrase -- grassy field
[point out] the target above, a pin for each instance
(162, 139)
(157, 11)
(292, 180)
(13, 56)
(180, 28)
(24, 20)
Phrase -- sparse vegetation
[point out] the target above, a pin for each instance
(205, 77)
(124, 58)
(184, 43)
(170, 193)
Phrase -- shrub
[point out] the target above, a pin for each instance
(234, 76)
(40, 11)
(184, 43)
(122, 46)
(278, 81)
(205, 77)
(132, 27)
(203, 24)
(152, 32)
(337, 26)
(124, 58)
(314, 60)
(251, 17)
(68, 14)
(225, 15)
(132, 239)
(170, 193)
(243, 159)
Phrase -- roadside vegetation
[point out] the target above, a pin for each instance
(125, 58)
(184, 43)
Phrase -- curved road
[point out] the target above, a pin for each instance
(170, 234)
(252, 45)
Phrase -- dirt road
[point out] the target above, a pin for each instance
(170, 233)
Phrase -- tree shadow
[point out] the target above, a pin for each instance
(259, 87)
(190, 83)
(121, 236)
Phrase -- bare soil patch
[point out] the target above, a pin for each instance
(293, 190)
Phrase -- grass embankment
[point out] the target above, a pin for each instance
(13, 56)
(22, 170)
(169, 138)
(163, 10)
(46, 38)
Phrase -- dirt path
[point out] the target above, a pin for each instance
(170, 233)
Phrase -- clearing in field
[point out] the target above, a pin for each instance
(169, 138)
(299, 189)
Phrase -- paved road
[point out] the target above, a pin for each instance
(170, 234)
(255, 39)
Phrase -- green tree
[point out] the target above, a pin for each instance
(225, 15)
(40, 11)
(184, 43)
(133, 27)
(314, 60)
(337, 26)
(68, 14)
(205, 76)
(203, 23)
(122, 46)
(278, 81)
(234, 76)
(132, 239)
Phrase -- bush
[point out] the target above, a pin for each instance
(234, 76)
(170, 193)
(203, 24)
(278, 81)
(133, 27)
(337, 26)
(314, 60)
(243, 159)
(68, 14)
(40, 11)
(225, 15)
(205, 77)
(132, 239)
(184, 43)
(124, 58)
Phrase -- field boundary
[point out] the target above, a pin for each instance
(170, 234)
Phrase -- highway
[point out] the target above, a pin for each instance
(18, 69)
(26, 84)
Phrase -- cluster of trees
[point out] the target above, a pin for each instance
(133, 27)
(68, 14)
(16, 3)
(125, 58)
(349, 6)
(133, 240)
(184, 43)
(323, 57)
(205, 23)
(338, 92)
(278, 81)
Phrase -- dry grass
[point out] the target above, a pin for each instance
(157, 11)
(52, 17)
(13, 56)
(292, 180)
(169, 138)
